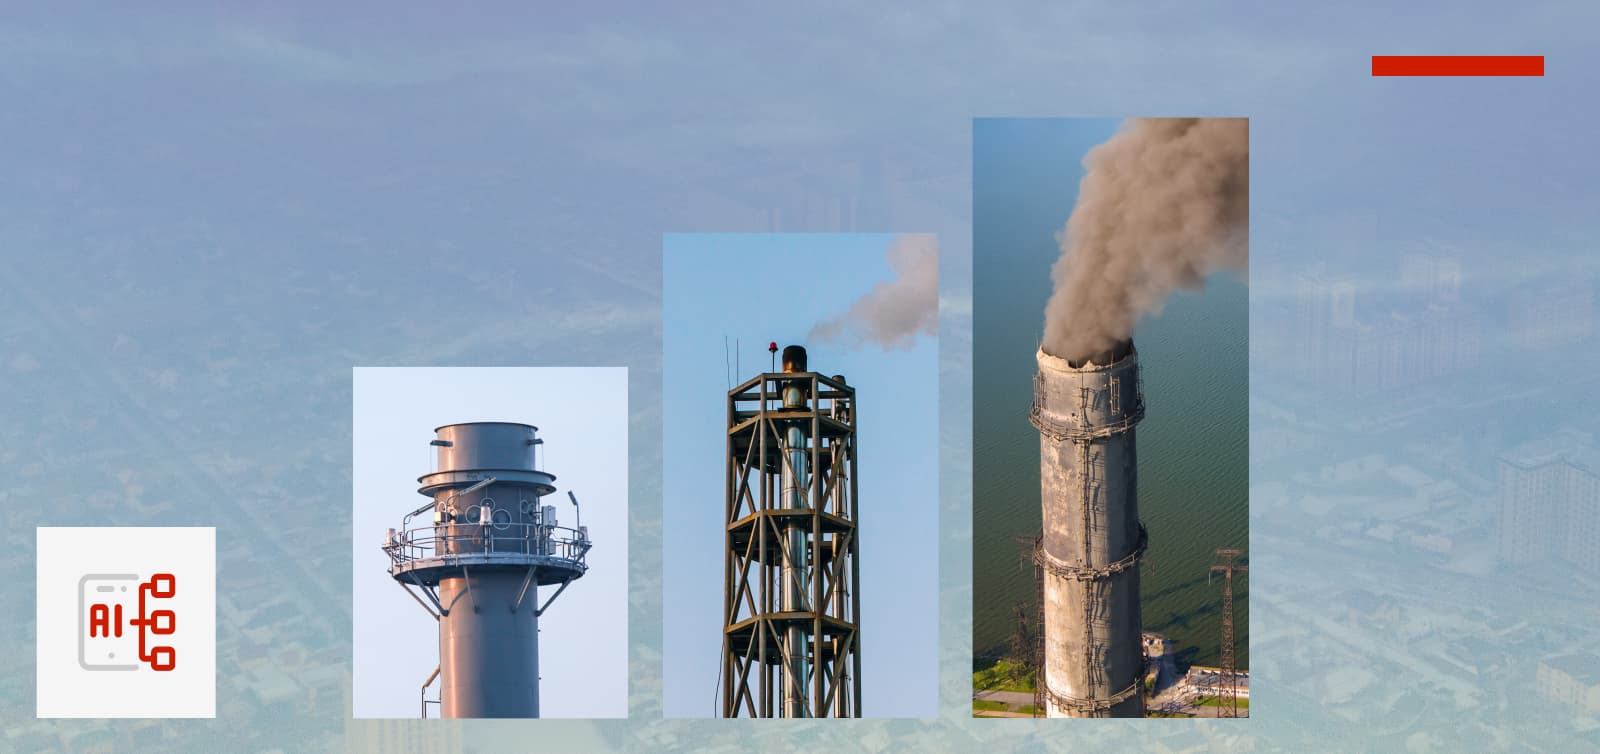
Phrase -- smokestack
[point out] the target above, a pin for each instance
(476, 559)
(792, 599)
(794, 359)
(1092, 540)
(1109, 356)
(1162, 205)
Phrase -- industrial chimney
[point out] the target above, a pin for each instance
(791, 606)
(1092, 541)
(478, 563)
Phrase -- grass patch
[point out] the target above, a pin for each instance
(986, 706)
(1005, 675)
(1028, 709)
(1212, 701)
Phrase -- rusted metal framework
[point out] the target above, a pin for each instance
(1228, 696)
(791, 608)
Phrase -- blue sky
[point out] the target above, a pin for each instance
(763, 288)
(581, 414)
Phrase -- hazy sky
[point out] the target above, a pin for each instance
(582, 416)
(763, 288)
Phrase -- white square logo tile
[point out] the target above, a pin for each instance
(127, 622)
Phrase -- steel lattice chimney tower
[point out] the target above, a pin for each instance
(1092, 540)
(791, 606)
(478, 563)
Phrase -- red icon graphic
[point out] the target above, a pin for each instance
(106, 621)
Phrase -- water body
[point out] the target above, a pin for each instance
(1193, 442)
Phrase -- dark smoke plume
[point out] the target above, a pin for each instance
(895, 311)
(1162, 204)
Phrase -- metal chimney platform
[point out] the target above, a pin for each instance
(477, 561)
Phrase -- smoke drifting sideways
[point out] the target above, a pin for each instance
(1163, 204)
(895, 311)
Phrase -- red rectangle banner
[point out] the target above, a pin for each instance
(1458, 65)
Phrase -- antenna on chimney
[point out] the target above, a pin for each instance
(772, 348)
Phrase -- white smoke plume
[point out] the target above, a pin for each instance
(895, 311)
(1162, 205)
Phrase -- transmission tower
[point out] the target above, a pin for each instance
(1035, 657)
(1021, 642)
(1228, 688)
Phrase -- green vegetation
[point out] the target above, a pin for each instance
(1005, 675)
(1212, 701)
(1028, 709)
(990, 706)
